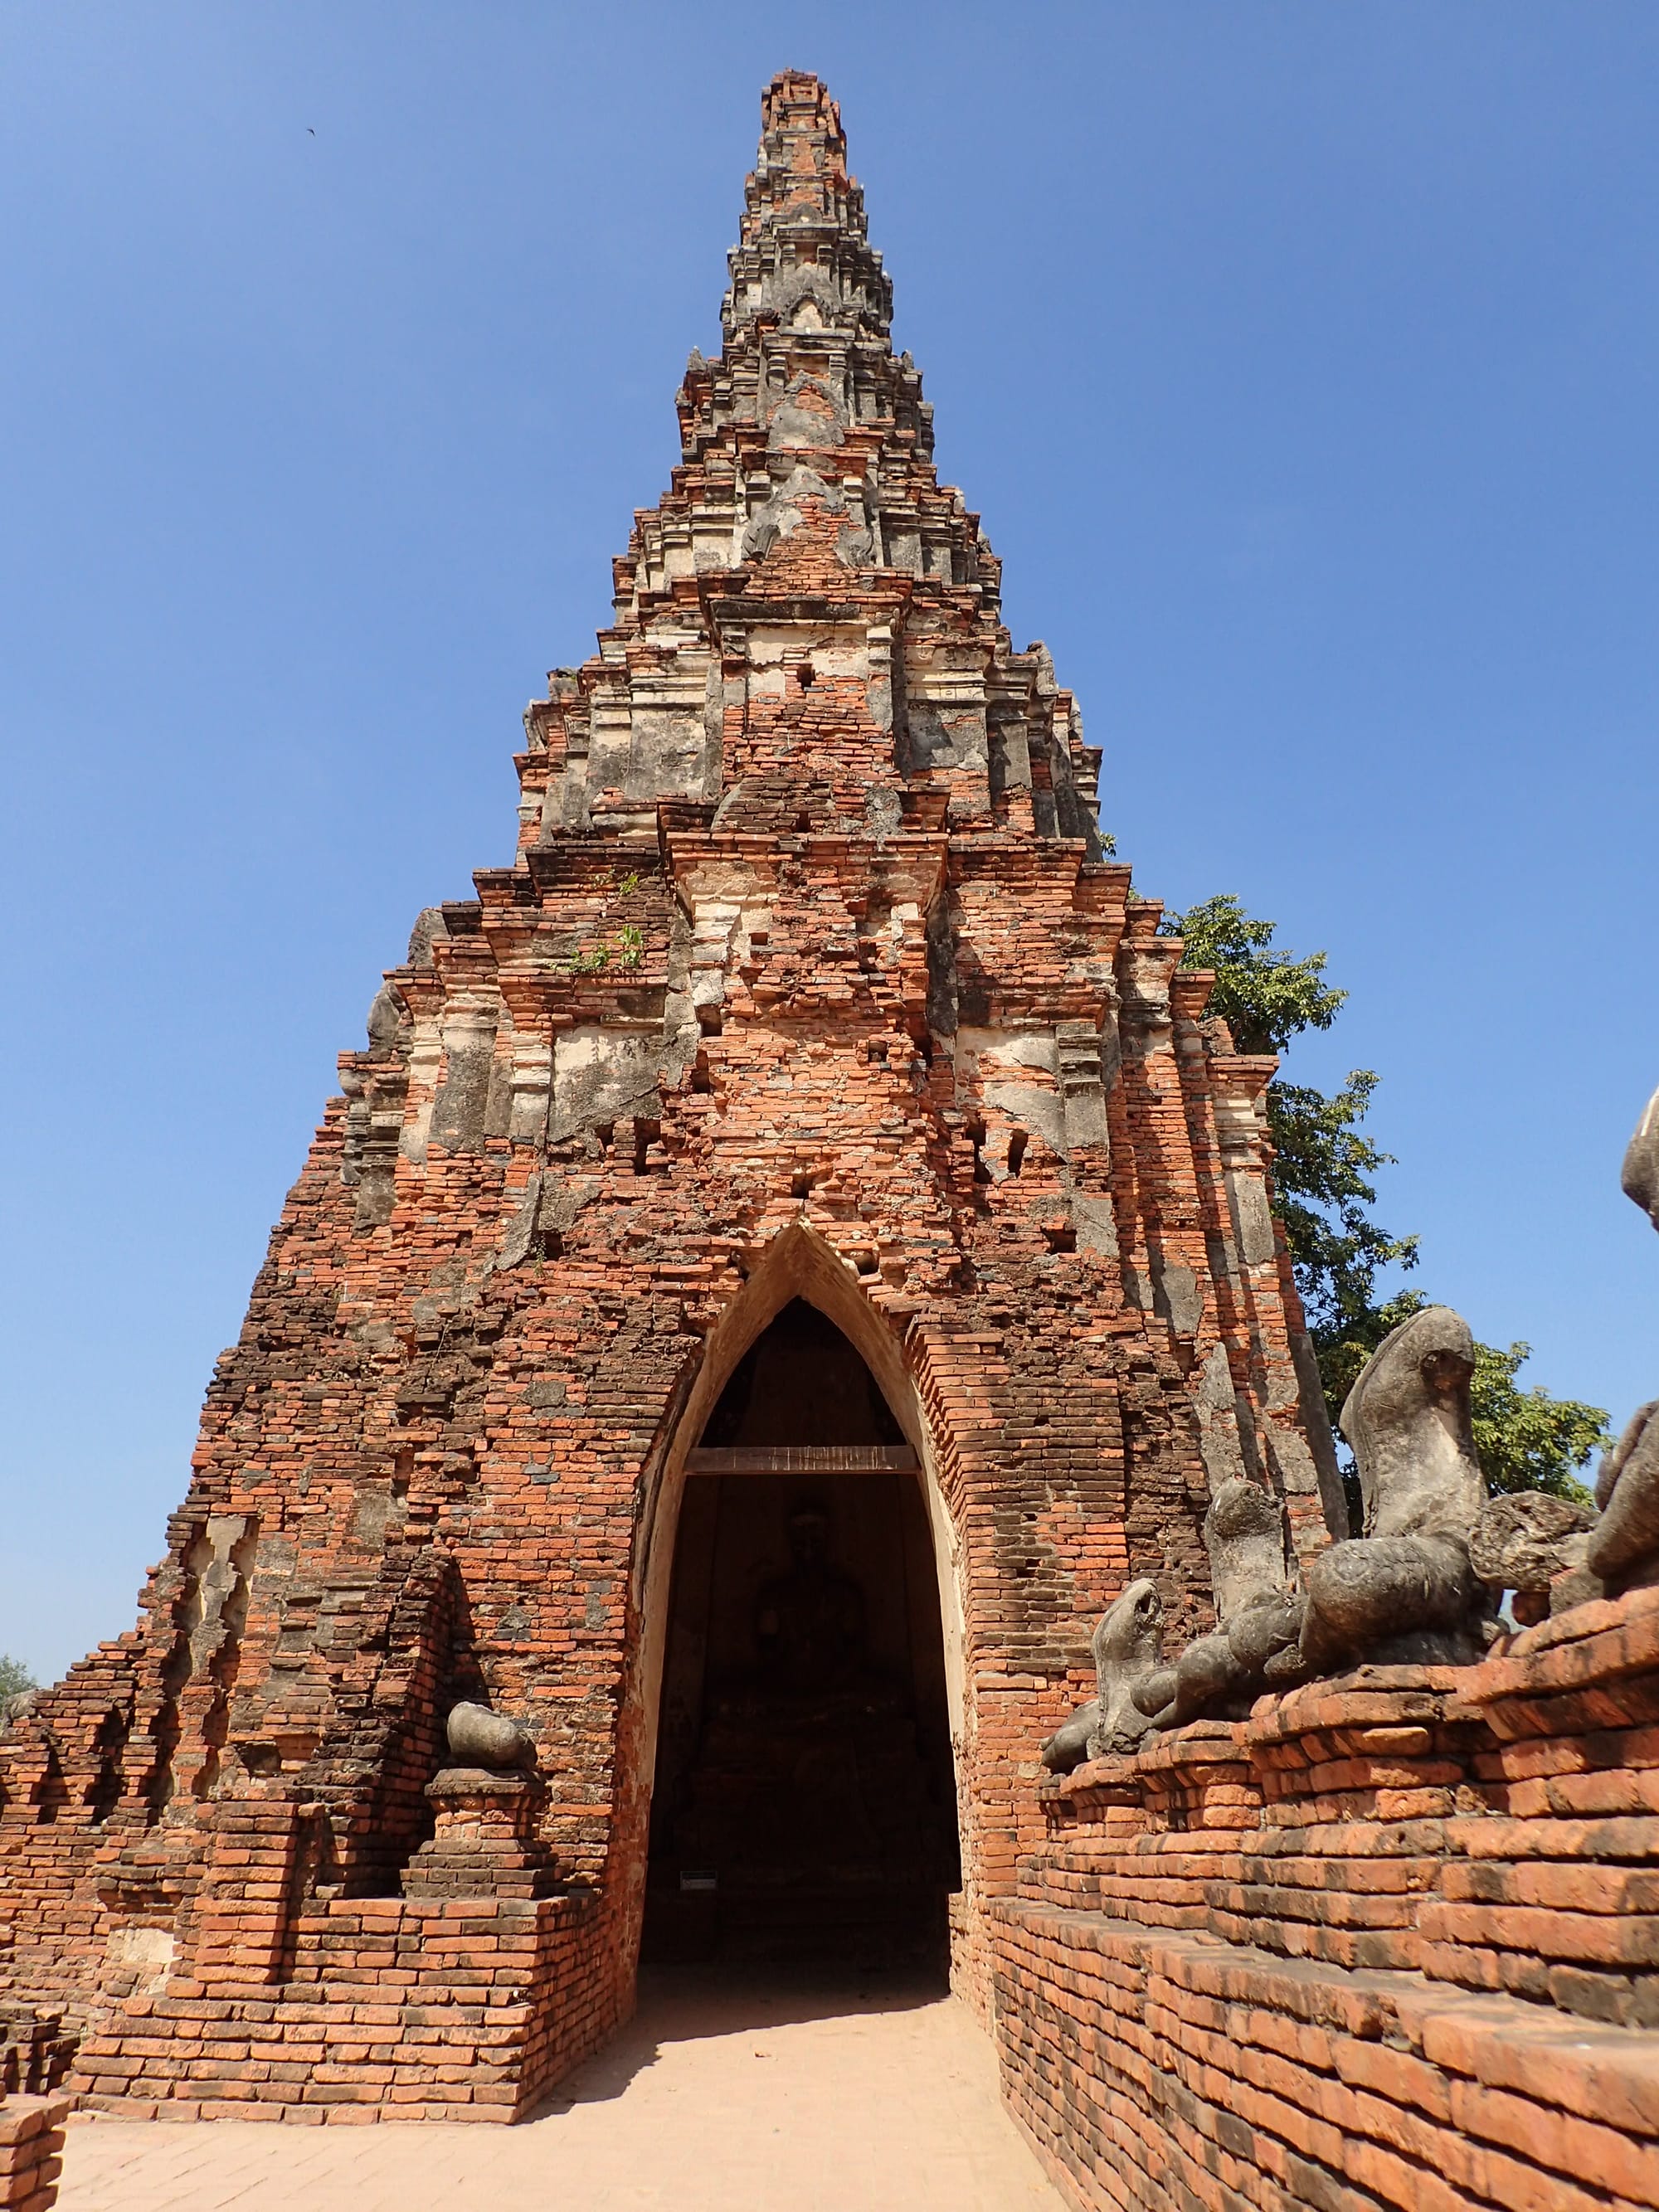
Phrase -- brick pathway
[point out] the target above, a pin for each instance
(760, 2098)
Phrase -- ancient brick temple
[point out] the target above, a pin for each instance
(791, 1250)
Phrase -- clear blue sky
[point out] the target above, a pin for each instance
(1300, 359)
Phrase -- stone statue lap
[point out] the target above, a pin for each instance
(1257, 1644)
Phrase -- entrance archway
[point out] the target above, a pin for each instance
(804, 1802)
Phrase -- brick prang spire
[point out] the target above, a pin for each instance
(803, 213)
(805, 239)
(809, 980)
(807, 428)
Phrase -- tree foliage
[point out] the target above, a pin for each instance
(14, 1676)
(1324, 1173)
(1525, 1439)
(1325, 1166)
(1265, 995)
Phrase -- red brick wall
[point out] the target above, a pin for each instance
(31, 2151)
(1390, 1942)
(394, 2009)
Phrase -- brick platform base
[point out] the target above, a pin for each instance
(1392, 1941)
(423, 2008)
(1154, 2069)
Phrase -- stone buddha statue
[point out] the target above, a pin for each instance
(810, 1632)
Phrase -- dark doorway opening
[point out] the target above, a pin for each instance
(804, 1804)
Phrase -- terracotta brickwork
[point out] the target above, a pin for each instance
(810, 978)
(812, 981)
(1392, 1940)
(31, 2151)
(32, 2112)
(417, 2008)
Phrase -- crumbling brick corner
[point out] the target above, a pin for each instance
(31, 2151)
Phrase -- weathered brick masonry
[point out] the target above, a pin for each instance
(810, 980)
(1393, 1942)
(31, 2151)
(32, 2117)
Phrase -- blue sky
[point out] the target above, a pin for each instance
(1300, 359)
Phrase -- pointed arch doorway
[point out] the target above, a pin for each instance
(804, 1803)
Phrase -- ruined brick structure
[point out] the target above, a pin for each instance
(807, 1142)
(32, 2116)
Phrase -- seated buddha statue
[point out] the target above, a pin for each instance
(809, 1626)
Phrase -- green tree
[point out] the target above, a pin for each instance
(14, 1676)
(1528, 1440)
(1265, 995)
(1324, 1165)
(1324, 1172)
